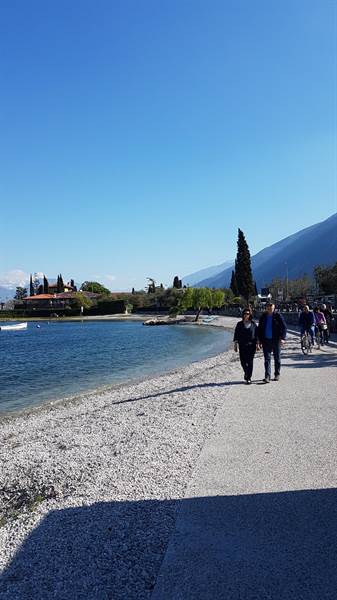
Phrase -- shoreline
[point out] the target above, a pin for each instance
(54, 403)
(130, 448)
(94, 488)
(134, 443)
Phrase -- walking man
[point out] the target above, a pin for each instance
(271, 333)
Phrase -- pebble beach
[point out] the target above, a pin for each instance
(120, 494)
(90, 486)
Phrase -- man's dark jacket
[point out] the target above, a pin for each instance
(306, 319)
(279, 328)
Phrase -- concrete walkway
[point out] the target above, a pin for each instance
(259, 519)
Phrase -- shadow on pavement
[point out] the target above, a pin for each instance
(279, 546)
(318, 358)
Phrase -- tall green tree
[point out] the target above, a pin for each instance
(60, 284)
(243, 268)
(31, 287)
(45, 285)
(233, 284)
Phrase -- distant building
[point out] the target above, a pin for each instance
(66, 287)
(49, 303)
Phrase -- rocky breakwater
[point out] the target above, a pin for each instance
(166, 321)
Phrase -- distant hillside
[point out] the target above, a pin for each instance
(205, 273)
(6, 293)
(300, 252)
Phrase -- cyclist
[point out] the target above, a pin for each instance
(320, 323)
(307, 322)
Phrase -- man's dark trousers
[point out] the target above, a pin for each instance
(269, 347)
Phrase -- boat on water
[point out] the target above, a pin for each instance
(14, 327)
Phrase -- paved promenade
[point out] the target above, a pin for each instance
(259, 519)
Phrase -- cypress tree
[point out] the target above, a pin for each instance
(60, 284)
(31, 287)
(233, 285)
(176, 282)
(243, 268)
(45, 285)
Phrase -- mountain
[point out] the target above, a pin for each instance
(194, 278)
(299, 253)
(6, 293)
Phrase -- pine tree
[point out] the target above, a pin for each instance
(176, 282)
(243, 268)
(233, 285)
(31, 287)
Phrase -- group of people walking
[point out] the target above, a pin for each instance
(270, 335)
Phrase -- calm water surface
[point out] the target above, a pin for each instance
(58, 360)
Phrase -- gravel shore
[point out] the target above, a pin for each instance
(90, 487)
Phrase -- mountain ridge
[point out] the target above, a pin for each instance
(295, 255)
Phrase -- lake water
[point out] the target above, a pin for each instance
(62, 359)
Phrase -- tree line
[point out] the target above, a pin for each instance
(181, 298)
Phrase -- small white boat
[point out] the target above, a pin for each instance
(15, 327)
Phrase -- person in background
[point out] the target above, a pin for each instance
(271, 333)
(328, 317)
(245, 340)
(320, 323)
(306, 322)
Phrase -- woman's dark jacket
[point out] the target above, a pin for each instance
(245, 336)
(279, 328)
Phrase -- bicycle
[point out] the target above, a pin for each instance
(306, 343)
(318, 337)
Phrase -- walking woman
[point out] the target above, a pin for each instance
(245, 340)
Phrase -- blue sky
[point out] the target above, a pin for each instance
(137, 136)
